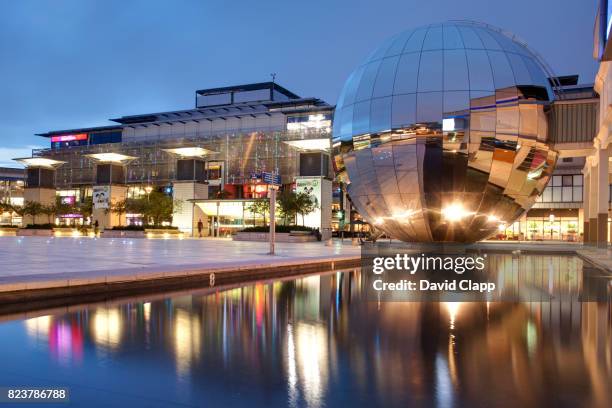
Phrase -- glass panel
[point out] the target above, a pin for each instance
(480, 74)
(366, 84)
(404, 110)
(577, 194)
(487, 40)
(361, 118)
(567, 194)
(400, 42)
(502, 73)
(407, 72)
(415, 42)
(380, 118)
(556, 195)
(430, 72)
(470, 39)
(433, 39)
(429, 107)
(567, 180)
(577, 179)
(537, 75)
(452, 38)
(547, 196)
(521, 73)
(455, 71)
(456, 103)
(385, 77)
(556, 181)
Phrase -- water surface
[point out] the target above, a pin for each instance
(317, 342)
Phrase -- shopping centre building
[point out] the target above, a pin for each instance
(238, 141)
(215, 158)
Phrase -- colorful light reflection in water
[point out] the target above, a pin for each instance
(317, 342)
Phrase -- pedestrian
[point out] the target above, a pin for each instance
(96, 227)
(200, 227)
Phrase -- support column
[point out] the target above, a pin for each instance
(187, 215)
(586, 194)
(40, 188)
(593, 205)
(603, 193)
(109, 190)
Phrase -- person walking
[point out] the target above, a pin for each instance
(96, 227)
(200, 227)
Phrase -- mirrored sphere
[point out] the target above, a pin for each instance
(441, 134)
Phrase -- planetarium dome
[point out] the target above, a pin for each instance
(441, 134)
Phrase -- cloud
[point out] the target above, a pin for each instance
(7, 154)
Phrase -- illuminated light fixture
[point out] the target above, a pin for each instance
(310, 144)
(492, 218)
(379, 221)
(455, 212)
(189, 151)
(40, 162)
(110, 157)
(69, 138)
(448, 125)
(501, 227)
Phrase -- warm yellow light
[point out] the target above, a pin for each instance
(189, 151)
(110, 157)
(455, 212)
(310, 144)
(379, 221)
(148, 189)
(39, 162)
(501, 227)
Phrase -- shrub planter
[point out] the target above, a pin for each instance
(34, 232)
(122, 234)
(162, 233)
(8, 232)
(298, 236)
(67, 232)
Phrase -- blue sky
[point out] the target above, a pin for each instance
(68, 64)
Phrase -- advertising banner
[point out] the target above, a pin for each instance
(101, 197)
(312, 187)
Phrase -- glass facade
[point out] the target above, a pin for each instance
(563, 189)
(441, 134)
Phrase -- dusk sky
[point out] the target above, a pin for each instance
(69, 64)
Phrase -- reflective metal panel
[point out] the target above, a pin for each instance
(441, 135)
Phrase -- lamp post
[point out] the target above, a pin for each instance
(272, 190)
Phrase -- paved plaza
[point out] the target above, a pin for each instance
(40, 258)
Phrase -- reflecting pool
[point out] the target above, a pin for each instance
(316, 341)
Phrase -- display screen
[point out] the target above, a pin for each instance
(69, 138)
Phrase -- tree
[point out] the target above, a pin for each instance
(158, 207)
(31, 208)
(85, 208)
(119, 207)
(287, 205)
(49, 210)
(305, 204)
(260, 206)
